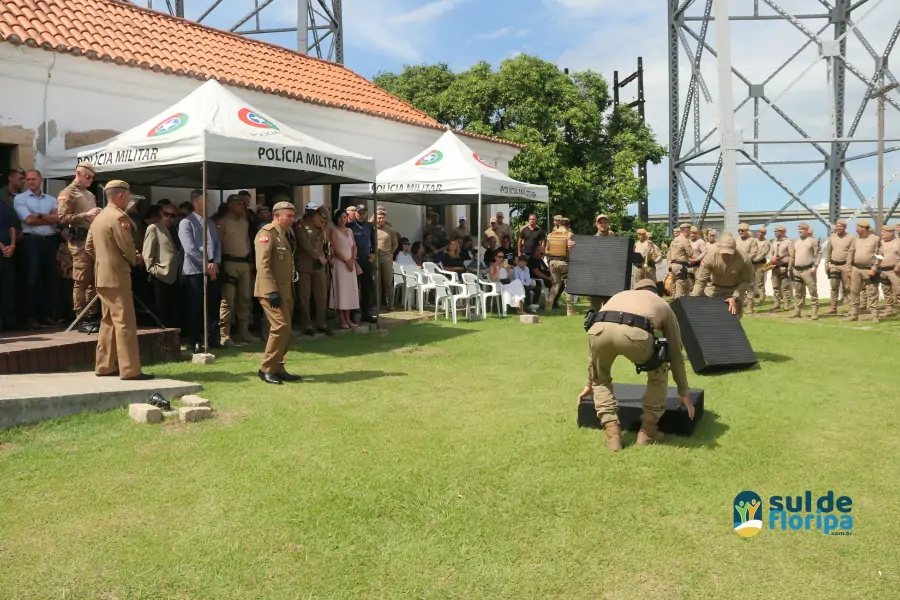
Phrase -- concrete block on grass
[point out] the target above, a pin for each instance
(145, 413)
(203, 359)
(190, 414)
(194, 401)
(529, 319)
(380, 332)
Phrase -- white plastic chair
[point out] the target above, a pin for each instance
(495, 293)
(430, 267)
(424, 286)
(443, 294)
(399, 282)
(411, 286)
(470, 292)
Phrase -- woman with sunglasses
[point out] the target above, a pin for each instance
(403, 257)
(512, 289)
(163, 262)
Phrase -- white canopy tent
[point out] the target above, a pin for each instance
(212, 138)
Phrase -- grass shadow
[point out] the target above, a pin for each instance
(706, 433)
(196, 375)
(349, 376)
(350, 345)
(772, 357)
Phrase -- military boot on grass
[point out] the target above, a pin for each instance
(613, 435)
(649, 434)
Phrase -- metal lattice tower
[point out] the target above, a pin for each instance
(831, 28)
(319, 29)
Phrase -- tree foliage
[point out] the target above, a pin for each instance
(575, 143)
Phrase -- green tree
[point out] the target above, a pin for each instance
(575, 144)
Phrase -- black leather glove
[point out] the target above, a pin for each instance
(274, 299)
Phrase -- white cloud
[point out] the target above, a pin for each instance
(427, 13)
(493, 35)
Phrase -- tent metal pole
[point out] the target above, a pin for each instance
(205, 266)
(377, 281)
(478, 256)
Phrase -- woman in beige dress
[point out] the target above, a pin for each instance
(344, 292)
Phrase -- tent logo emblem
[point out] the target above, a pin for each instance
(431, 157)
(255, 119)
(482, 161)
(169, 124)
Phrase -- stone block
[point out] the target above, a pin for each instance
(190, 414)
(194, 401)
(529, 319)
(361, 330)
(379, 332)
(145, 413)
(203, 359)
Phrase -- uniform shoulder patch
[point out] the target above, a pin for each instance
(124, 224)
(62, 197)
(263, 239)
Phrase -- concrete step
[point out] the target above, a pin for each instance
(32, 398)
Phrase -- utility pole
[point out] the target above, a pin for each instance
(643, 210)
(880, 93)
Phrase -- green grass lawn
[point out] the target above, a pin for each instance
(444, 462)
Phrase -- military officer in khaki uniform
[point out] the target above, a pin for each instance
(749, 246)
(866, 255)
(311, 262)
(237, 277)
(889, 269)
(625, 327)
(699, 248)
(387, 246)
(838, 263)
(110, 244)
(556, 220)
(763, 251)
(803, 267)
(781, 259)
(650, 253)
(461, 231)
(275, 277)
(727, 273)
(680, 253)
(77, 209)
(602, 223)
(503, 229)
(558, 260)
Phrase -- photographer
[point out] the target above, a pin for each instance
(625, 327)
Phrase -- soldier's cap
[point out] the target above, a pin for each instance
(234, 198)
(695, 229)
(864, 223)
(599, 217)
(743, 227)
(500, 214)
(86, 165)
(762, 228)
(123, 185)
(780, 228)
(557, 217)
(283, 206)
(382, 213)
(462, 218)
(644, 284)
(493, 219)
(322, 212)
(362, 208)
(885, 225)
(641, 231)
(727, 245)
(841, 222)
(803, 224)
(684, 226)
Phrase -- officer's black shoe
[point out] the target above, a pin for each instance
(285, 376)
(141, 377)
(269, 378)
(159, 401)
(370, 319)
(113, 374)
(309, 331)
(198, 349)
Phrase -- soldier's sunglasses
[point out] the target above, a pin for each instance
(168, 214)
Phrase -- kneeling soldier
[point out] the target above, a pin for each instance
(625, 327)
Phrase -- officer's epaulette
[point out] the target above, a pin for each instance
(268, 226)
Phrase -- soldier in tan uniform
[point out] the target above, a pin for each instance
(110, 244)
(237, 277)
(781, 259)
(275, 277)
(680, 253)
(727, 273)
(699, 248)
(803, 267)
(763, 251)
(866, 254)
(838, 263)
(889, 269)
(556, 220)
(625, 328)
(77, 208)
(460, 232)
(749, 246)
(387, 246)
(503, 229)
(651, 255)
(311, 262)
(558, 260)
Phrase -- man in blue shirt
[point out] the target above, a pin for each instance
(190, 234)
(38, 212)
(364, 235)
(8, 220)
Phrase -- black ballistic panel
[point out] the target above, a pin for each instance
(600, 266)
(713, 338)
(674, 421)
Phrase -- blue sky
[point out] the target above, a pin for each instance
(604, 35)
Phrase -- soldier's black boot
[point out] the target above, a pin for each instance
(269, 378)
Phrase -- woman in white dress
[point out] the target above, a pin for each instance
(513, 291)
(403, 257)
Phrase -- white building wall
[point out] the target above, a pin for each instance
(60, 94)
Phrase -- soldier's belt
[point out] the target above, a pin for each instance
(862, 267)
(803, 267)
(239, 259)
(559, 258)
(683, 263)
(622, 318)
(835, 275)
(839, 263)
(78, 234)
(884, 268)
(758, 262)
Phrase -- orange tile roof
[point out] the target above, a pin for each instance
(133, 36)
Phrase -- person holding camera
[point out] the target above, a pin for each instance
(626, 327)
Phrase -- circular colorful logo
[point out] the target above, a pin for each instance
(482, 161)
(255, 119)
(747, 514)
(169, 124)
(431, 157)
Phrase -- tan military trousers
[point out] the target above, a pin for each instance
(117, 341)
(385, 279)
(83, 275)
(701, 280)
(807, 283)
(781, 289)
(759, 278)
(237, 280)
(839, 285)
(312, 285)
(679, 283)
(609, 341)
(859, 280)
(891, 291)
(559, 274)
(750, 296)
(279, 335)
(644, 273)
